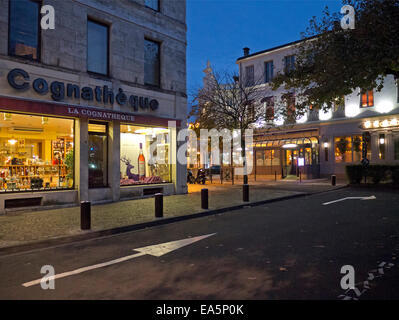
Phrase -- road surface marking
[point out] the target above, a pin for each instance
(350, 198)
(154, 250)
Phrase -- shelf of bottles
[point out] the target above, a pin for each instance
(32, 177)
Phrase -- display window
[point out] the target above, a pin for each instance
(144, 155)
(36, 153)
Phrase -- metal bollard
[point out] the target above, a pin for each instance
(300, 176)
(275, 175)
(333, 180)
(85, 215)
(204, 199)
(158, 205)
(245, 192)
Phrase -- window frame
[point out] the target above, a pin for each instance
(104, 134)
(269, 104)
(159, 43)
(291, 58)
(39, 33)
(156, 10)
(366, 92)
(247, 82)
(267, 78)
(108, 26)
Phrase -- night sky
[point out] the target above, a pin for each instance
(219, 29)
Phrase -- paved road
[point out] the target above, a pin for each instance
(286, 250)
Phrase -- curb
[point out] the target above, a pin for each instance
(163, 221)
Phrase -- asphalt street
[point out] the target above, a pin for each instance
(292, 249)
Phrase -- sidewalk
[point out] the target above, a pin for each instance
(24, 227)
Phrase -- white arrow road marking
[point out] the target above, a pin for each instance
(155, 250)
(350, 198)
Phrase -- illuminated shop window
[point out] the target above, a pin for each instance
(36, 153)
(144, 155)
(350, 149)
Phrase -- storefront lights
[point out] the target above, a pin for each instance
(12, 141)
(290, 145)
(394, 122)
(367, 124)
(376, 124)
(385, 123)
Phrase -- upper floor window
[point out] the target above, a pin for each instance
(153, 4)
(367, 99)
(24, 34)
(269, 108)
(289, 63)
(152, 63)
(249, 76)
(291, 109)
(269, 71)
(97, 47)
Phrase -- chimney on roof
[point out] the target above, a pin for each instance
(246, 51)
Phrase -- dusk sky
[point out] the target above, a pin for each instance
(219, 29)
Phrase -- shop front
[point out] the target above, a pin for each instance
(57, 153)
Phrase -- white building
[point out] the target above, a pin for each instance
(325, 142)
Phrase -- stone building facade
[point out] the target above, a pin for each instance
(98, 89)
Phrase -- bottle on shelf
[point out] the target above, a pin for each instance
(141, 162)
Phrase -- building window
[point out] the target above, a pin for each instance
(343, 149)
(291, 109)
(269, 108)
(249, 76)
(289, 63)
(144, 154)
(97, 47)
(152, 64)
(24, 32)
(36, 153)
(98, 155)
(349, 149)
(367, 99)
(269, 71)
(153, 4)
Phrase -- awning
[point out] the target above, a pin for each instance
(276, 143)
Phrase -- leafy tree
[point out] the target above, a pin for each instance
(332, 62)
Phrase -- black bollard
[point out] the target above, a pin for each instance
(245, 192)
(275, 175)
(85, 215)
(204, 199)
(333, 180)
(158, 205)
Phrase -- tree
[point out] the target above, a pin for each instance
(225, 102)
(332, 62)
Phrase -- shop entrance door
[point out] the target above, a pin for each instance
(291, 158)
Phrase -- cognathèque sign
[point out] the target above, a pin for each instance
(19, 79)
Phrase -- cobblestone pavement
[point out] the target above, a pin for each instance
(23, 227)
